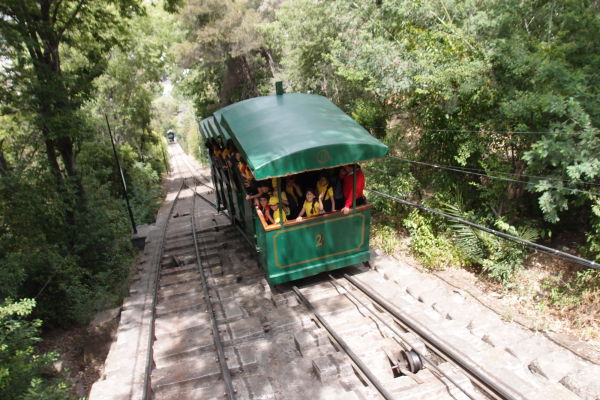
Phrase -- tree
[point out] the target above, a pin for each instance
(54, 50)
(21, 368)
(224, 58)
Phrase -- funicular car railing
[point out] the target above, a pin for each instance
(273, 227)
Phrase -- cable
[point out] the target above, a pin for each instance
(541, 177)
(578, 133)
(538, 247)
(489, 176)
(513, 132)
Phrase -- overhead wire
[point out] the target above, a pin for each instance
(516, 239)
(493, 131)
(541, 177)
(449, 168)
(515, 132)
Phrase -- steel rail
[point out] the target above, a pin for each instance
(213, 318)
(355, 359)
(191, 169)
(397, 333)
(212, 204)
(480, 378)
(147, 389)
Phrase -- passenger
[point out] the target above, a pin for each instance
(225, 154)
(312, 207)
(325, 192)
(263, 206)
(262, 188)
(284, 198)
(243, 167)
(228, 153)
(294, 194)
(217, 150)
(347, 185)
(277, 216)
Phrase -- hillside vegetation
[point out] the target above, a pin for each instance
(502, 96)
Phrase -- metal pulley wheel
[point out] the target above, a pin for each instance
(412, 360)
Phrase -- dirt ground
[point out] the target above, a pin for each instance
(81, 356)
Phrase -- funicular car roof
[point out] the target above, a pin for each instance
(204, 128)
(287, 134)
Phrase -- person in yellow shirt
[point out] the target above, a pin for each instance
(243, 167)
(325, 191)
(312, 207)
(277, 216)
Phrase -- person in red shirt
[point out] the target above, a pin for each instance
(346, 175)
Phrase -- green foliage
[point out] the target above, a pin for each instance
(390, 177)
(64, 238)
(21, 368)
(370, 115)
(498, 258)
(385, 232)
(223, 57)
(593, 236)
(431, 247)
(72, 273)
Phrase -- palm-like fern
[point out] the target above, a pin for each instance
(499, 257)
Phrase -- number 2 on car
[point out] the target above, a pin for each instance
(319, 240)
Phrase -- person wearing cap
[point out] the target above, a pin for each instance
(277, 216)
(284, 198)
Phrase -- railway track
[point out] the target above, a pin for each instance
(220, 331)
(181, 371)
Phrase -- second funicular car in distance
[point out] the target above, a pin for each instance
(299, 135)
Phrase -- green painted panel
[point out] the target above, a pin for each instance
(315, 246)
(291, 133)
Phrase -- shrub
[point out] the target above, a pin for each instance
(23, 373)
(499, 258)
(433, 250)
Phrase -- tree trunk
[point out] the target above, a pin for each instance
(248, 75)
(4, 168)
(266, 53)
(52, 160)
(231, 81)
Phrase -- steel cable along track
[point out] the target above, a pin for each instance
(409, 370)
(480, 379)
(355, 359)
